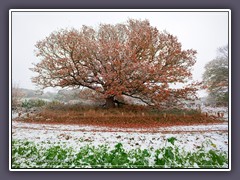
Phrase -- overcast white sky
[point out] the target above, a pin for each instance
(202, 31)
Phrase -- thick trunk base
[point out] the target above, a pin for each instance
(110, 102)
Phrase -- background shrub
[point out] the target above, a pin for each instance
(33, 103)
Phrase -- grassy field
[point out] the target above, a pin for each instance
(75, 136)
(126, 116)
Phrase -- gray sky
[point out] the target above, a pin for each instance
(202, 31)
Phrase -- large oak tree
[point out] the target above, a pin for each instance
(133, 59)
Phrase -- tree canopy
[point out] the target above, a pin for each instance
(216, 77)
(132, 59)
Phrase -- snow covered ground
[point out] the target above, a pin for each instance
(186, 139)
(189, 138)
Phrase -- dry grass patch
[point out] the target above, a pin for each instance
(128, 116)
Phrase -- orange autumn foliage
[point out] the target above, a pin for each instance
(133, 59)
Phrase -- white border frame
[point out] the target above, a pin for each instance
(120, 10)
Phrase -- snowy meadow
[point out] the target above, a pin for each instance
(37, 145)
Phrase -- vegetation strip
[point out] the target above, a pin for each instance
(26, 154)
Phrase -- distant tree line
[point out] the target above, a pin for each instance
(216, 78)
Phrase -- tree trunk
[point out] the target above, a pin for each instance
(110, 102)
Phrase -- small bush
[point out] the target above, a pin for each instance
(33, 103)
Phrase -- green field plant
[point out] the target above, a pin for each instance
(26, 154)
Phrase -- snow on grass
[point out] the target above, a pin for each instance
(74, 138)
(77, 136)
(212, 127)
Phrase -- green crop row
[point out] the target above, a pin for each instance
(26, 154)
